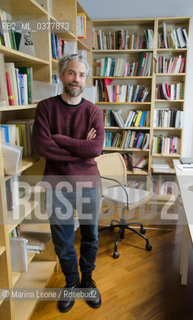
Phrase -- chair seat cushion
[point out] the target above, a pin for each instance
(118, 195)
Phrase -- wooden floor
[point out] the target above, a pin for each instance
(139, 285)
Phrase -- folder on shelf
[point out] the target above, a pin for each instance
(12, 156)
(18, 249)
(36, 240)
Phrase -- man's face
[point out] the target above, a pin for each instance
(74, 78)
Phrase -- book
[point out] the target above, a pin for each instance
(29, 72)
(10, 67)
(12, 156)
(36, 240)
(142, 120)
(9, 87)
(24, 42)
(3, 87)
(70, 47)
(118, 118)
(81, 25)
(18, 249)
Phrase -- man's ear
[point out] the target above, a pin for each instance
(61, 76)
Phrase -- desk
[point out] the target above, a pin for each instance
(185, 178)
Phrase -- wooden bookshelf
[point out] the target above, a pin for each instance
(32, 279)
(41, 266)
(103, 29)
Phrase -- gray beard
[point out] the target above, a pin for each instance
(72, 92)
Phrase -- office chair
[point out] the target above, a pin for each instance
(112, 168)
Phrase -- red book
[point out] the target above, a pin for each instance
(107, 82)
(9, 89)
(174, 64)
(167, 90)
(182, 65)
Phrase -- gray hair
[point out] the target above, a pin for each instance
(63, 62)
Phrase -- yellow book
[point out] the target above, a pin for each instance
(138, 118)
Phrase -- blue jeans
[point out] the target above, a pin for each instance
(61, 217)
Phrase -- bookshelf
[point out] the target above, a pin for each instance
(126, 41)
(40, 266)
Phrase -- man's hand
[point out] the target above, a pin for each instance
(91, 135)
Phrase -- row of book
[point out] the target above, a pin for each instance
(107, 91)
(160, 166)
(172, 38)
(123, 40)
(164, 187)
(170, 65)
(127, 93)
(166, 145)
(174, 91)
(121, 67)
(167, 118)
(61, 47)
(136, 184)
(127, 139)
(136, 118)
(19, 132)
(17, 40)
(16, 232)
(142, 162)
(57, 44)
(28, 241)
(16, 84)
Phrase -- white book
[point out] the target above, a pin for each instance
(12, 156)
(180, 36)
(3, 17)
(128, 119)
(178, 64)
(36, 240)
(18, 250)
(165, 35)
(146, 144)
(108, 67)
(118, 118)
(3, 86)
(24, 89)
(70, 47)
(18, 85)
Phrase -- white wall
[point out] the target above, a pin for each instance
(122, 9)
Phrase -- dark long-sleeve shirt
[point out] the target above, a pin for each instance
(60, 132)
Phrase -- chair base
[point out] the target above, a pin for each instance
(122, 225)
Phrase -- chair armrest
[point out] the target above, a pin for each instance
(145, 171)
(111, 179)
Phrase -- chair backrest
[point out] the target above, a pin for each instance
(113, 166)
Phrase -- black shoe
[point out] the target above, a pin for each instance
(91, 293)
(66, 305)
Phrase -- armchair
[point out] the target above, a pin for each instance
(112, 168)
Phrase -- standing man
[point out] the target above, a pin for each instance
(69, 133)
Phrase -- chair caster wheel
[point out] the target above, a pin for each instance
(148, 247)
(142, 230)
(116, 254)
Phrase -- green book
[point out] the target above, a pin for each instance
(140, 63)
